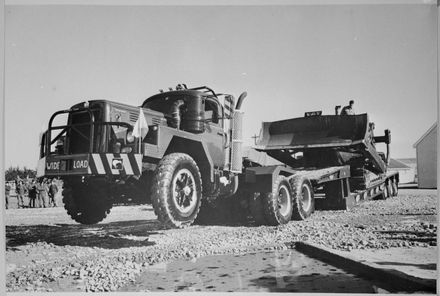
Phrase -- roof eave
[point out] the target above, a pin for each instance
(425, 134)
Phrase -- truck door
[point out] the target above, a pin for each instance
(215, 137)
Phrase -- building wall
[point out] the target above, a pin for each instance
(427, 161)
(406, 175)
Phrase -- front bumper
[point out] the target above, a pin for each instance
(93, 164)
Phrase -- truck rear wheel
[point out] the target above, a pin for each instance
(87, 203)
(303, 198)
(277, 204)
(176, 190)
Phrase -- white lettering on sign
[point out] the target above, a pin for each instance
(80, 164)
(53, 165)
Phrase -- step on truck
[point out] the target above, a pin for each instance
(181, 151)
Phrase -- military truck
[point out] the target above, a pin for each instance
(181, 150)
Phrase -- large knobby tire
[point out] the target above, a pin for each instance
(277, 204)
(256, 210)
(87, 203)
(303, 198)
(176, 191)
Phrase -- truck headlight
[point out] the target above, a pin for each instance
(130, 137)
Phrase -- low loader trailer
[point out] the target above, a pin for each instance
(336, 153)
(181, 151)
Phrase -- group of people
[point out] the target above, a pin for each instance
(41, 193)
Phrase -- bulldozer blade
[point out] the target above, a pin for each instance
(313, 132)
(342, 134)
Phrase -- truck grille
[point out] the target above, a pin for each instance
(78, 136)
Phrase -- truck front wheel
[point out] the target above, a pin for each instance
(278, 203)
(303, 198)
(176, 190)
(87, 203)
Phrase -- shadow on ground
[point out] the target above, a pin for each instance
(429, 266)
(112, 235)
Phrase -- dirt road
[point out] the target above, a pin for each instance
(47, 251)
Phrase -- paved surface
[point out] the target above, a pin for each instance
(415, 267)
(416, 262)
(274, 271)
(47, 251)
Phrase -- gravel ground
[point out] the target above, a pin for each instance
(46, 251)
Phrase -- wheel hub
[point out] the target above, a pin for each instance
(306, 198)
(184, 191)
(284, 200)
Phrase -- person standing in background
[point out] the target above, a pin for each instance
(43, 190)
(53, 189)
(20, 194)
(7, 192)
(32, 193)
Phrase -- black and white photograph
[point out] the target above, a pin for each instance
(220, 146)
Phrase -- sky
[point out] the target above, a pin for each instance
(289, 59)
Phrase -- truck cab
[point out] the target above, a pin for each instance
(99, 154)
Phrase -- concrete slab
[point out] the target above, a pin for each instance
(418, 262)
(401, 269)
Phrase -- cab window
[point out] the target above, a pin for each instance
(213, 112)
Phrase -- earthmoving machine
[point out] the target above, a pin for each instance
(182, 151)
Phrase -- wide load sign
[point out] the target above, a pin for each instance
(91, 164)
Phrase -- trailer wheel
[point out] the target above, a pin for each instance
(176, 191)
(87, 203)
(386, 192)
(395, 188)
(303, 198)
(389, 188)
(277, 205)
(256, 208)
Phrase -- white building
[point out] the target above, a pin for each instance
(406, 173)
(426, 149)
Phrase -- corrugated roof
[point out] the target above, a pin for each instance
(434, 126)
